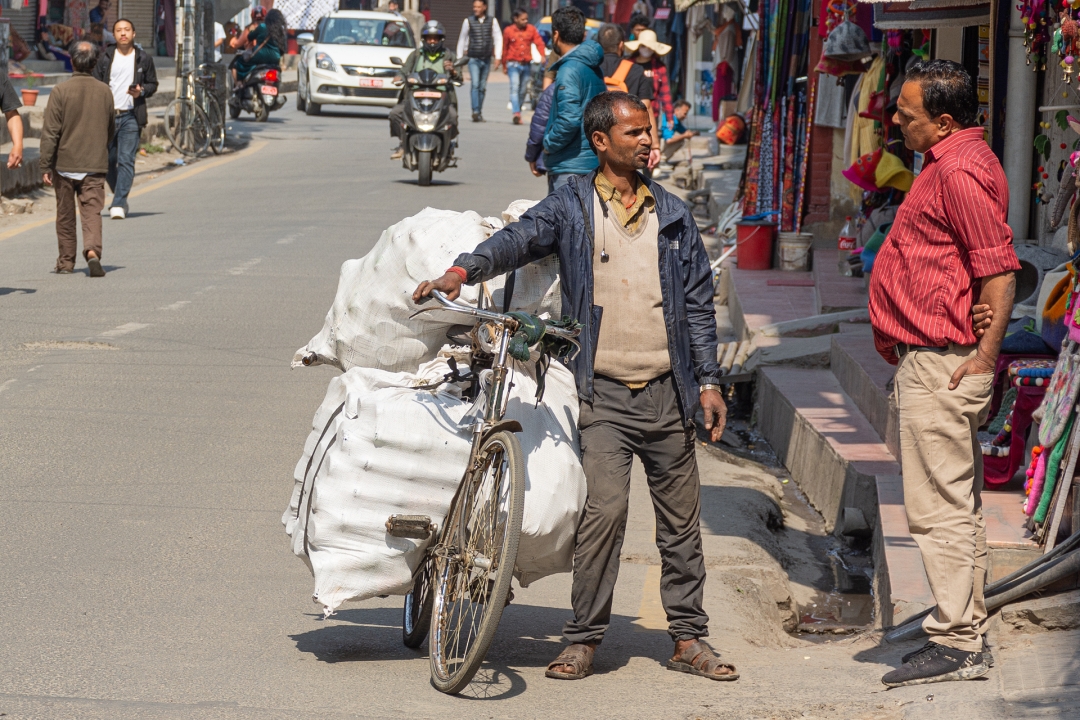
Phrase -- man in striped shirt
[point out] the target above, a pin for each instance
(948, 248)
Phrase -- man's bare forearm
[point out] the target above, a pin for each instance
(997, 292)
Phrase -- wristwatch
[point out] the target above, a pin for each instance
(710, 386)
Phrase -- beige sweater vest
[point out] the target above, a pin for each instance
(633, 344)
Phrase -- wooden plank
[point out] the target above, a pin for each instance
(1064, 483)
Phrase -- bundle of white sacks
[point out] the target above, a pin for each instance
(379, 447)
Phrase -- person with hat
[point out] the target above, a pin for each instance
(433, 55)
(949, 246)
(647, 51)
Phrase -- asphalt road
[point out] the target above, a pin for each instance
(149, 426)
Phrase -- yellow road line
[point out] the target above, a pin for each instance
(174, 176)
(651, 615)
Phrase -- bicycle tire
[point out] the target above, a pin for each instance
(416, 610)
(217, 123)
(187, 127)
(488, 528)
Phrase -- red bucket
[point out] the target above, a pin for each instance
(754, 245)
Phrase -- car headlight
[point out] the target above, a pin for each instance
(325, 62)
(425, 122)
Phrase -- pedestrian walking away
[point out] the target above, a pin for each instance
(9, 105)
(79, 124)
(518, 42)
(949, 246)
(635, 273)
(578, 80)
(480, 40)
(534, 146)
(130, 74)
(624, 74)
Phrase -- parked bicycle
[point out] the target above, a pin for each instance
(194, 120)
(463, 584)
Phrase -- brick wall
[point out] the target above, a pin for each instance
(821, 152)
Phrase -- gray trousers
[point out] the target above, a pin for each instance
(620, 424)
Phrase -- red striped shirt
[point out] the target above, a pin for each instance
(949, 231)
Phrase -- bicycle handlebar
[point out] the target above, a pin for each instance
(500, 318)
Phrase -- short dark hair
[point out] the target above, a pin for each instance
(609, 37)
(640, 19)
(681, 103)
(84, 56)
(519, 12)
(600, 112)
(120, 20)
(481, 1)
(569, 22)
(947, 89)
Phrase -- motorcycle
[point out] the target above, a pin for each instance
(429, 139)
(260, 93)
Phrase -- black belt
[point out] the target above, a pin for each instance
(903, 349)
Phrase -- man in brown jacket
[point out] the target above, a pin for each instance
(79, 124)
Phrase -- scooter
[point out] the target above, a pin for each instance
(429, 139)
(260, 93)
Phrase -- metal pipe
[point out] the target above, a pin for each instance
(1019, 129)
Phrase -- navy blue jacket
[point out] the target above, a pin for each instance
(578, 80)
(534, 147)
(562, 223)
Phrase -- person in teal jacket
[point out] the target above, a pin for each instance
(578, 80)
(268, 38)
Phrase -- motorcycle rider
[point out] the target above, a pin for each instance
(432, 54)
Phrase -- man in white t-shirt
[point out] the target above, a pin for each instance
(129, 73)
(219, 40)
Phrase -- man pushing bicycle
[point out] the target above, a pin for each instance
(635, 274)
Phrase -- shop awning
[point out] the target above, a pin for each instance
(929, 14)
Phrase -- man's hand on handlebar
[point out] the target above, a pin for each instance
(449, 284)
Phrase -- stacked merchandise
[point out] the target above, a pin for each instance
(780, 123)
(393, 434)
(1052, 468)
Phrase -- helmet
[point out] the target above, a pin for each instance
(432, 27)
(258, 13)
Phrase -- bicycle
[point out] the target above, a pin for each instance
(194, 120)
(463, 584)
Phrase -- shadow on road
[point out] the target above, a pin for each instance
(528, 637)
(434, 182)
(107, 268)
(24, 291)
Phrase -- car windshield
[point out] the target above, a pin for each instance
(356, 31)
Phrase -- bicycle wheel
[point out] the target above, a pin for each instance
(416, 613)
(217, 124)
(186, 127)
(474, 563)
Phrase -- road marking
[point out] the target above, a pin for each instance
(174, 176)
(651, 615)
(244, 267)
(176, 305)
(124, 329)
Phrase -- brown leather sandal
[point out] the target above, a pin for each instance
(699, 659)
(577, 656)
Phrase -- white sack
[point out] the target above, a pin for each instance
(369, 325)
(394, 450)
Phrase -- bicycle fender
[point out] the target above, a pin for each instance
(510, 425)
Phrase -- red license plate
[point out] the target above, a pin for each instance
(371, 82)
(268, 90)
(427, 94)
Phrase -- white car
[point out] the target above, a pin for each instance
(347, 60)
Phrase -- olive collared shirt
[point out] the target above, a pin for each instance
(632, 218)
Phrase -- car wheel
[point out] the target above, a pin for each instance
(301, 104)
(310, 107)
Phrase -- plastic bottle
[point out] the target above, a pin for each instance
(847, 240)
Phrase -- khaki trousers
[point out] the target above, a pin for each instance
(90, 192)
(943, 479)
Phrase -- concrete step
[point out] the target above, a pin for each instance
(836, 292)
(838, 459)
(865, 376)
(754, 303)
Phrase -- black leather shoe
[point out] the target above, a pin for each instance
(937, 663)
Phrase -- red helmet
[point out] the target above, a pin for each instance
(258, 13)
